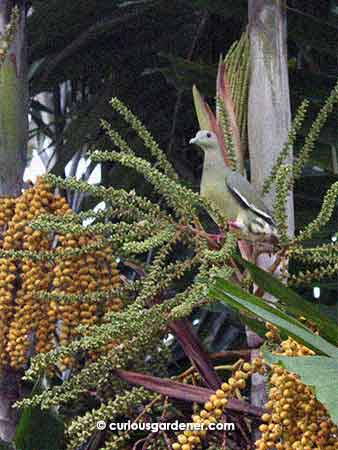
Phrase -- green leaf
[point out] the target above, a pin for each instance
(294, 302)
(35, 67)
(39, 429)
(38, 106)
(183, 73)
(254, 324)
(320, 372)
(201, 112)
(5, 446)
(83, 128)
(315, 33)
(241, 300)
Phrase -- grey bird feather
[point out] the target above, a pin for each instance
(241, 187)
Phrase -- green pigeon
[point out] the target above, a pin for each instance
(232, 194)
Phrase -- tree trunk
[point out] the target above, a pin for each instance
(269, 115)
(269, 98)
(13, 150)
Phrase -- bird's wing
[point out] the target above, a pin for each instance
(246, 195)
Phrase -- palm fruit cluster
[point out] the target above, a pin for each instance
(295, 420)
(21, 279)
(31, 277)
(29, 323)
(81, 275)
(7, 273)
(214, 409)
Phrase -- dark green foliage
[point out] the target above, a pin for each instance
(244, 302)
(293, 302)
(5, 446)
(39, 430)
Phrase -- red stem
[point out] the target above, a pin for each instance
(181, 391)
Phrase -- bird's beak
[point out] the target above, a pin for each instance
(193, 140)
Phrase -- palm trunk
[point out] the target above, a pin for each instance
(269, 98)
(269, 115)
(13, 150)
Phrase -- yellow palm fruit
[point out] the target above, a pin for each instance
(296, 420)
(25, 318)
(34, 277)
(12, 239)
(7, 207)
(215, 406)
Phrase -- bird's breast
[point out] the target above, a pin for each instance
(216, 191)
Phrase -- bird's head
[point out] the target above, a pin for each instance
(205, 139)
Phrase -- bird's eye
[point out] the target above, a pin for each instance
(208, 135)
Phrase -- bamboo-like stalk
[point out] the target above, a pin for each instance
(13, 149)
(13, 105)
(269, 116)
